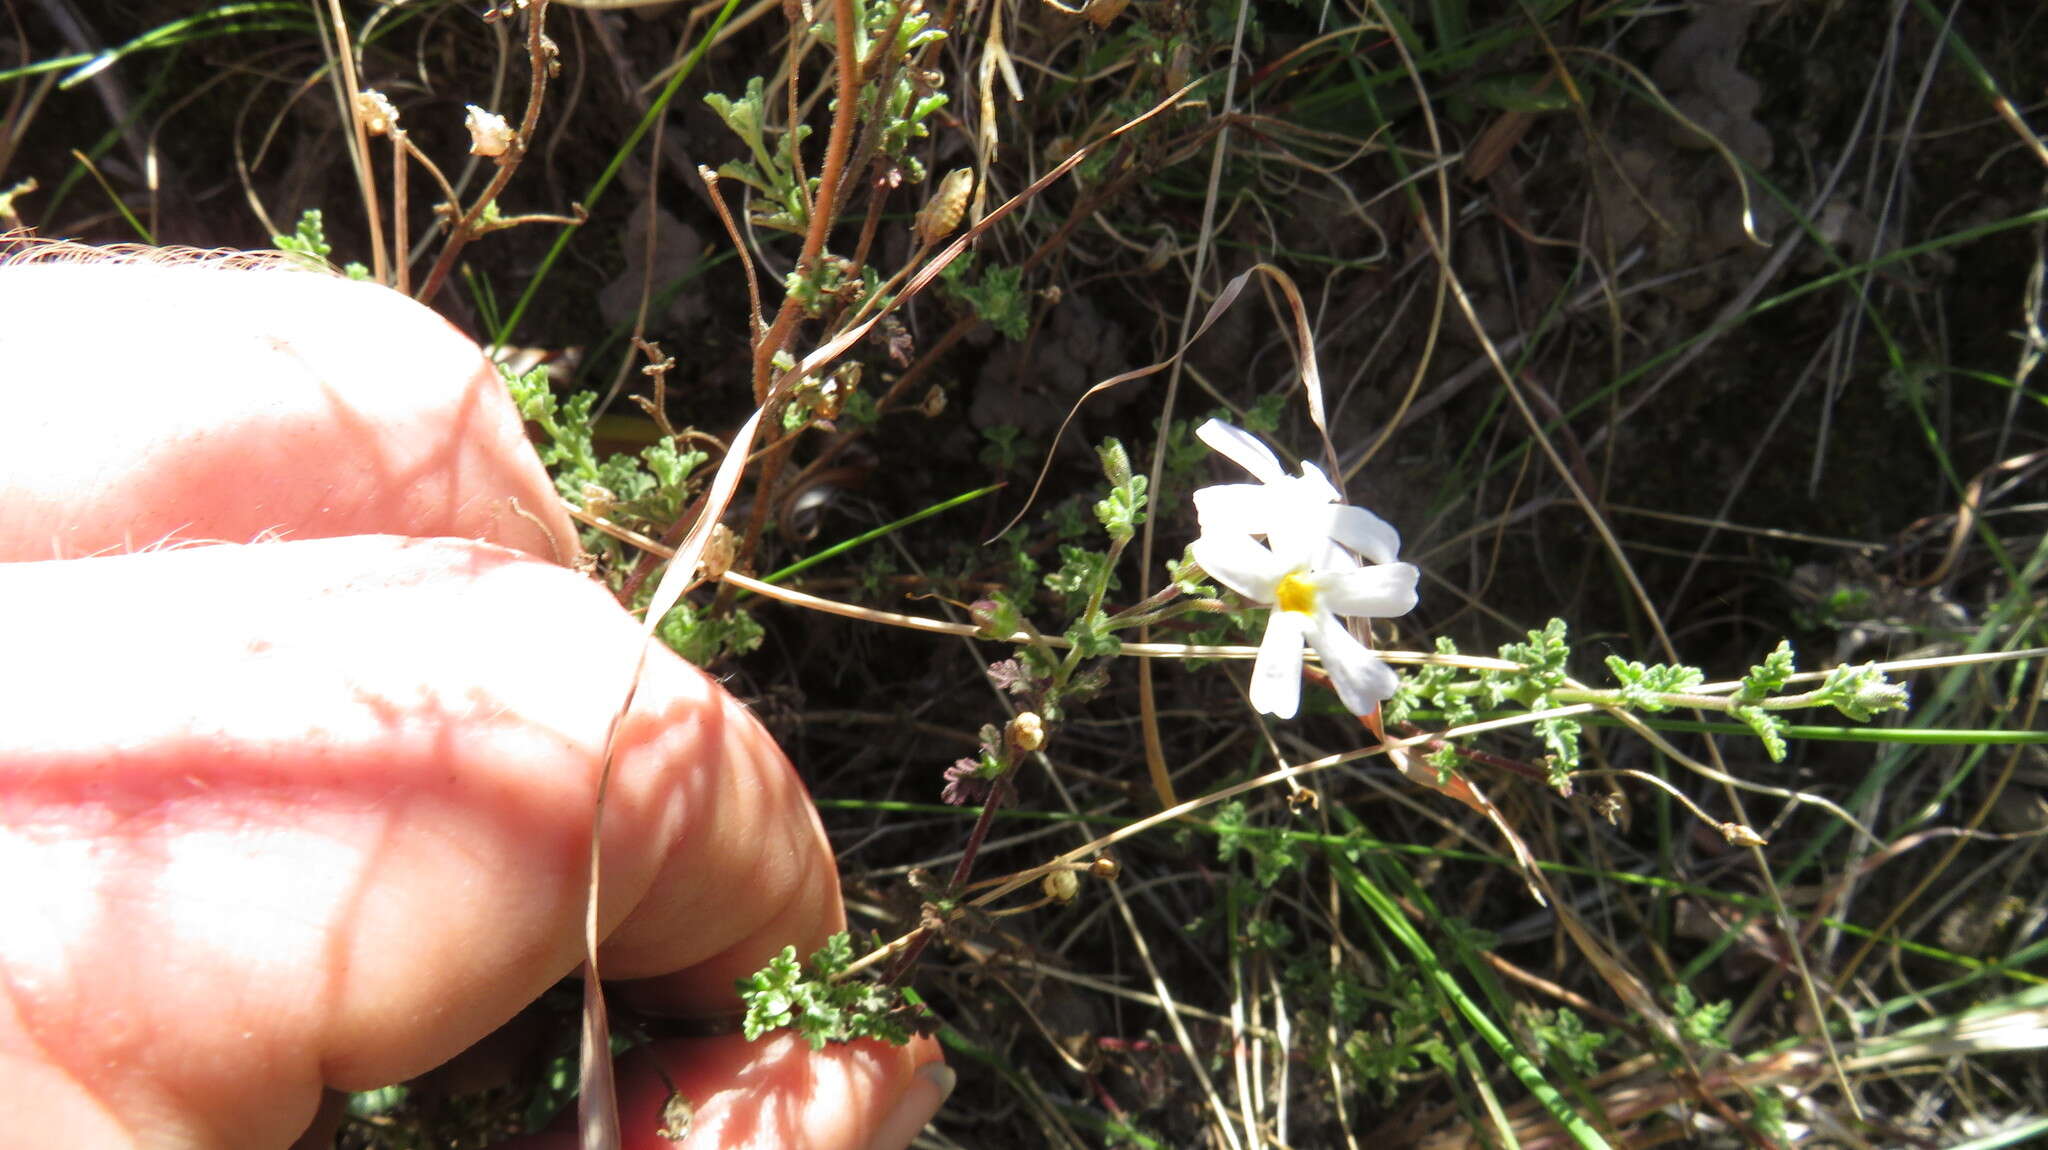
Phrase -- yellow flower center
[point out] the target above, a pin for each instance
(1295, 593)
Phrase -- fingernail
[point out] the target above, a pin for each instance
(929, 1088)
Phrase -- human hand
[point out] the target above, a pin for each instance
(315, 814)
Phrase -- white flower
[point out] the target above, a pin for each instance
(1308, 504)
(1305, 574)
(1306, 601)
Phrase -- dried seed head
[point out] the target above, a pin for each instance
(1741, 836)
(941, 214)
(489, 134)
(832, 394)
(378, 114)
(1060, 885)
(677, 1116)
(1105, 868)
(598, 500)
(1026, 732)
(719, 552)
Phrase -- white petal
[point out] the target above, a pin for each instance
(1276, 675)
(1313, 480)
(1334, 559)
(1365, 533)
(1239, 564)
(1377, 592)
(1362, 680)
(1292, 509)
(1242, 448)
(1243, 508)
(1300, 533)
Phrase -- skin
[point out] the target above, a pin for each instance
(309, 815)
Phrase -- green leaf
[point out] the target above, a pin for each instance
(1560, 734)
(783, 994)
(1123, 509)
(1524, 92)
(308, 239)
(1563, 1033)
(1768, 727)
(1080, 570)
(998, 298)
(1702, 1024)
(1543, 656)
(1092, 637)
(1229, 824)
(703, 638)
(1188, 577)
(1264, 413)
(836, 955)
(1641, 685)
(769, 994)
(1767, 677)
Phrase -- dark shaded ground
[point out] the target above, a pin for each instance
(1689, 376)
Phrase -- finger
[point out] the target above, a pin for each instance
(775, 1094)
(319, 812)
(244, 404)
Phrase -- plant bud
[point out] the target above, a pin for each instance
(994, 616)
(1116, 462)
(1877, 697)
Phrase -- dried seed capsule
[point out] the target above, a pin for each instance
(598, 500)
(1105, 868)
(489, 134)
(719, 552)
(376, 112)
(1026, 732)
(1741, 836)
(941, 214)
(1061, 886)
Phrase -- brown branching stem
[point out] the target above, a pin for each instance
(878, 195)
(539, 53)
(783, 330)
(400, 265)
(1479, 757)
(822, 212)
(931, 356)
(998, 793)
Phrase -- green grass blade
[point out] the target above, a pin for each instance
(225, 20)
(604, 180)
(866, 537)
(1395, 923)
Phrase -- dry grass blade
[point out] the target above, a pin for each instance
(342, 56)
(1224, 299)
(598, 1105)
(597, 1096)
